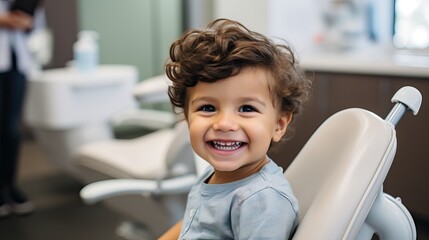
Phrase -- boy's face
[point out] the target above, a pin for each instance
(233, 121)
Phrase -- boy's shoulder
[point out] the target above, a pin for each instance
(270, 185)
(271, 177)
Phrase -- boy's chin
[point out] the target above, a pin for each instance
(225, 166)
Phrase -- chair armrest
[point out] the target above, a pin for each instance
(147, 118)
(152, 90)
(98, 191)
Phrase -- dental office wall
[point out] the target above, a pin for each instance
(62, 21)
(135, 32)
(305, 23)
(252, 13)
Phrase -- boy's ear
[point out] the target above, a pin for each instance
(282, 124)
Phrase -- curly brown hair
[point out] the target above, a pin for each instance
(223, 49)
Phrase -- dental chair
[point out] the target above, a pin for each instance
(66, 109)
(151, 176)
(337, 178)
(161, 168)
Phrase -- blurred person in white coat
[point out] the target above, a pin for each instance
(16, 62)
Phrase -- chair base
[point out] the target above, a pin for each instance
(388, 219)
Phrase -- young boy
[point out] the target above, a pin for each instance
(239, 92)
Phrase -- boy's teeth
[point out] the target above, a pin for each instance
(226, 146)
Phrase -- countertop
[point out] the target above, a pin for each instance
(371, 60)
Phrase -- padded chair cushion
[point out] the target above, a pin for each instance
(339, 172)
(143, 157)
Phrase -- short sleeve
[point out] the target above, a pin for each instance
(266, 214)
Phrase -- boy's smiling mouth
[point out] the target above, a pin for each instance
(226, 145)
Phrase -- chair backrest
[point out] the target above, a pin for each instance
(339, 172)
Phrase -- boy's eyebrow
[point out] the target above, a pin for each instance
(252, 99)
(204, 98)
(243, 99)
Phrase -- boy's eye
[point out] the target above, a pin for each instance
(207, 108)
(247, 108)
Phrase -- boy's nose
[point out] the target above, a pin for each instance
(225, 122)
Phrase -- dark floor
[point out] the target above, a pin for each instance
(60, 213)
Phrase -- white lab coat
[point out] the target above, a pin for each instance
(19, 42)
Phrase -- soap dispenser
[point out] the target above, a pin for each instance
(85, 51)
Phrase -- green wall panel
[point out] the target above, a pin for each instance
(135, 32)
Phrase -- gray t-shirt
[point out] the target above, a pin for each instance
(261, 206)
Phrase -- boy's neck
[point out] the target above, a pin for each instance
(221, 177)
